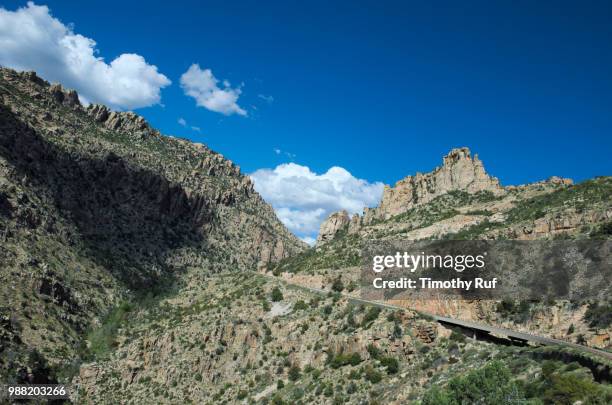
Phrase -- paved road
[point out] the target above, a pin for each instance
(466, 324)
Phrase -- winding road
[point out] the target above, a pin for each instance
(478, 327)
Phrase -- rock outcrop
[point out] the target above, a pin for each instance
(459, 172)
(332, 225)
(354, 225)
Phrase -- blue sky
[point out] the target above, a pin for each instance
(380, 89)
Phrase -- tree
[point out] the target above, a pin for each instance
(337, 285)
(397, 331)
(294, 373)
(391, 363)
(372, 375)
(277, 295)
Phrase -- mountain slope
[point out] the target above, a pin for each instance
(459, 200)
(96, 208)
(128, 268)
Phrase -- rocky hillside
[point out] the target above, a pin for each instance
(254, 338)
(459, 200)
(98, 208)
(249, 338)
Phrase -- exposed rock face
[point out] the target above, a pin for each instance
(355, 224)
(330, 227)
(553, 181)
(120, 121)
(459, 172)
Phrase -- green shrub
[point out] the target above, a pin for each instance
(300, 305)
(294, 373)
(599, 316)
(297, 393)
(490, 384)
(391, 364)
(344, 359)
(603, 231)
(397, 331)
(102, 340)
(337, 285)
(457, 337)
(519, 313)
(374, 351)
(371, 315)
(277, 295)
(277, 399)
(372, 375)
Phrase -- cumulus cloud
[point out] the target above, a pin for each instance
(32, 39)
(202, 85)
(302, 199)
(182, 122)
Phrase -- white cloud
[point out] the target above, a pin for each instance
(32, 39)
(309, 240)
(302, 199)
(279, 151)
(268, 99)
(182, 122)
(202, 85)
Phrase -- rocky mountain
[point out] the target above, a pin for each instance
(142, 268)
(459, 172)
(459, 200)
(96, 208)
(463, 195)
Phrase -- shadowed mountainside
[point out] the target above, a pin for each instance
(97, 208)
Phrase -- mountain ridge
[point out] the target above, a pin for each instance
(97, 207)
(459, 172)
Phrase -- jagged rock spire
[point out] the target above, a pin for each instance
(459, 171)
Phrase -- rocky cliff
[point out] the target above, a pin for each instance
(459, 171)
(97, 207)
(332, 225)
